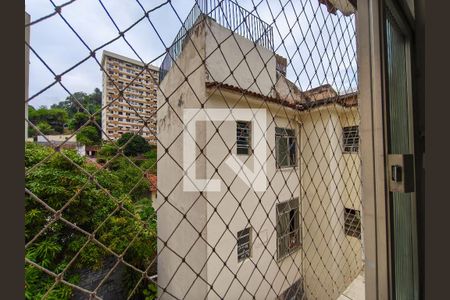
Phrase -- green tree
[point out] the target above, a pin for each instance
(55, 181)
(78, 120)
(55, 117)
(75, 103)
(44, 127)
(137, 145)
(89, 136)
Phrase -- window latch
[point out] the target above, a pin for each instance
(401, 173)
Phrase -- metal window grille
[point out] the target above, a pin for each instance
(351, 138)
(352, 222)
(244, 246)
(243, 134)
(166, 202)
(294, 292)
(288, 228)
(286, 147)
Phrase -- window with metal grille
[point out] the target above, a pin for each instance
(294, 292)
(351, 138)
(352, 222)
(243, 134)
(244, 244)
(288, 229)
(286, 147)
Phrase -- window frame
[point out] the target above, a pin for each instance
(249, 138)
(250, 244)
(293, 136)
(351, 228)
(282, 235)
(350, 144)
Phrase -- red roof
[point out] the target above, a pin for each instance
(153, 179)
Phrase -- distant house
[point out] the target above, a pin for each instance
(91, 151)
(313, 171)
(153, 180)
(63, 141)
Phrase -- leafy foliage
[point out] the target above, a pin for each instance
(78, 120)
(91, 102)
(56, 181)
(89, 135)
(137, 145)
(54, 117)
(44, 127)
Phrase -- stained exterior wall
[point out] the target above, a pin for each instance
(258, 207)
(220, 215)
(255, 73)
(182, 236)
(330, 182)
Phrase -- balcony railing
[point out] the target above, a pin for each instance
(230, 15)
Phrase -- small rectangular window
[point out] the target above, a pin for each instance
(243, 134)
(285, 147)
(352, 221)
(244, 244)
(288, 227)
(351, 138)
(294, 292)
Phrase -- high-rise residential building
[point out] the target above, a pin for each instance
(135, 110)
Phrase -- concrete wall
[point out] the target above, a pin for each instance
(241, 207)
(254, 73)
(112, 289)
(182, 235)
(332, 259)
(327, 260)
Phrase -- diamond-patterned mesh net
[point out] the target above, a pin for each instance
(218, 159)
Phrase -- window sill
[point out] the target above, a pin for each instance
(287, 168)
(293, 251)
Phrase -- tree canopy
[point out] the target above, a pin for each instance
(89, 136)
(56, 118)
(137, 145)
(91, 102)
(67, 113)
(56, 181)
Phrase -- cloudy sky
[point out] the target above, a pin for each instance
(321, 53)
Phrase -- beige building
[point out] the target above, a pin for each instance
(136, 110)
(300, 236)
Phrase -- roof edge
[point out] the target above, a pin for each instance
(127, 59)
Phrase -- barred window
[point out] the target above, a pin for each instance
(352, 222)
(243, 134)
(351, 138)
(294, 292)
(244, 244)
(288, 229)
(286, 147)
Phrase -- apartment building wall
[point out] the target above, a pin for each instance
(332, 259)
(199, 222)
(185, 237)
(255, 73)
(230, 211)
(136, 110)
